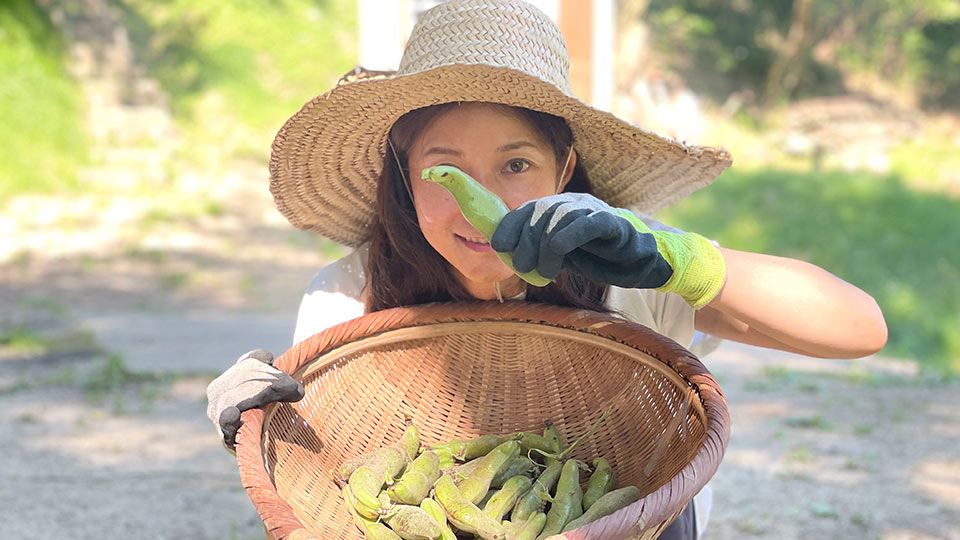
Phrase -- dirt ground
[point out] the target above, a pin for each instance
(102, 397)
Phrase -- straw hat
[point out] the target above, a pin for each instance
(326, 159)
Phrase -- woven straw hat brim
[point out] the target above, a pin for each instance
(327, 158)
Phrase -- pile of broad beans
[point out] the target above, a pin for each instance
(519, 486)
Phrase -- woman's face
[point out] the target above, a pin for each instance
(501, 151)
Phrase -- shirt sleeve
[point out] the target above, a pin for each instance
(335, 295)
(665, 313)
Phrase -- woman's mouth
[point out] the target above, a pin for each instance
(479, 244)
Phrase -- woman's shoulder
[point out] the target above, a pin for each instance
(346, 275)
(335, 295)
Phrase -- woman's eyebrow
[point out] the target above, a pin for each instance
(442, 150)
(514, 145)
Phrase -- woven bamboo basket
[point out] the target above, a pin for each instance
(467, 369)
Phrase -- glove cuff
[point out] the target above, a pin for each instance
(699, 271)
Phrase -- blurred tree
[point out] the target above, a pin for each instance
(784, 74)
(784, 49)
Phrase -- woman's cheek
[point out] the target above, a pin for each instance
(434, 204)
(516, 199)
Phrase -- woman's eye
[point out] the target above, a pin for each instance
(517, 165)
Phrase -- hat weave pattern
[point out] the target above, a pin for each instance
(506, 35)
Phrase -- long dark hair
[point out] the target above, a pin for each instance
(404, 269)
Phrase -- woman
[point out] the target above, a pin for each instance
(483, 86)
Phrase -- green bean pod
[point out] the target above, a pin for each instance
(503, 501)
(412, 488)
(379, 531)
(416, 482)
(446, 458)
(529, 441)
(551, 432)
(467, 449)
(481, 207)
(478, 483)
(385, 458)
(412, 523)
(600, 483)
(382, 458)
(360, 520)
(389, 464)
(433, 508)
(463, 514)
(365, 484)
(531, 503)
(520, 465)
(606, 505)
(461, 471)
(567, 502)
(486, 497)
(410, 441)
(527, 530)
(358, 508)
(386, 503)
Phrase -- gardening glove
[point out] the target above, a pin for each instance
(610, 246)
(250, 383)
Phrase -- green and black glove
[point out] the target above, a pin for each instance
(609, 245)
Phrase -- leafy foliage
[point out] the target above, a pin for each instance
(236, 71)
(793, 48)
(42, 142)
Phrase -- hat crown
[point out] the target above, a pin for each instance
(500, 33)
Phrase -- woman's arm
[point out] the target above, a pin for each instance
(793, 306)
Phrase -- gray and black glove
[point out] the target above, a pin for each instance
(250, 383)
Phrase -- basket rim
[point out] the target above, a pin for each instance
(278, 516)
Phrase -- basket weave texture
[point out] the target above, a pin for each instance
(468, 369)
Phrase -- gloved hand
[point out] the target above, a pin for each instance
(250, 383)
(609, 245)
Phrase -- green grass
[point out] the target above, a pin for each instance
(235, 71)
(896, 243)
(42, 139)
(930, 161)
(24, 341)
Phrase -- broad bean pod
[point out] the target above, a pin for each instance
(416, 482)
(412, 523)
(600, 483)
(463, 514)
(475, 486)
(606, 505)
(433, 508)
(531, 502)
(503, 501)
(520, 465)
(526, 530)
(566, 504)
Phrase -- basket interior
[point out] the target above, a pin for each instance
(463, 379)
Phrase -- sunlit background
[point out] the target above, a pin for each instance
(140, 252)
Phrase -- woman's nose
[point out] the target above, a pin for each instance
(487, 180)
